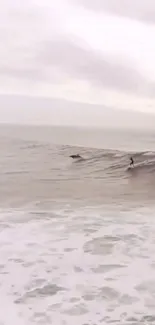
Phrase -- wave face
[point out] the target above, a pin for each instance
(106, 174)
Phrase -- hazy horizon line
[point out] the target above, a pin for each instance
(60, 99)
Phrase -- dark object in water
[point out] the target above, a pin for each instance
(131, 162)
(75, 156)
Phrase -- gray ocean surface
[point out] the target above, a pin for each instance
(77, 237)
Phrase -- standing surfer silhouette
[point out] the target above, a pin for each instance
(131, 162)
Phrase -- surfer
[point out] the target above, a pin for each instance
(131, 162)
(75, 156)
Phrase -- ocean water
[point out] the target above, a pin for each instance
(77, 237)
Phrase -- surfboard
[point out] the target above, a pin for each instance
(130, 167)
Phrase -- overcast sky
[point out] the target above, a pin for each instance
(92, 51)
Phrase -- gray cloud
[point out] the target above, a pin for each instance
(34, 48)
(143, 10)
(22, 26)
(87, 64)
(51, 61)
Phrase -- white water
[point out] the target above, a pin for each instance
(77, 266)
